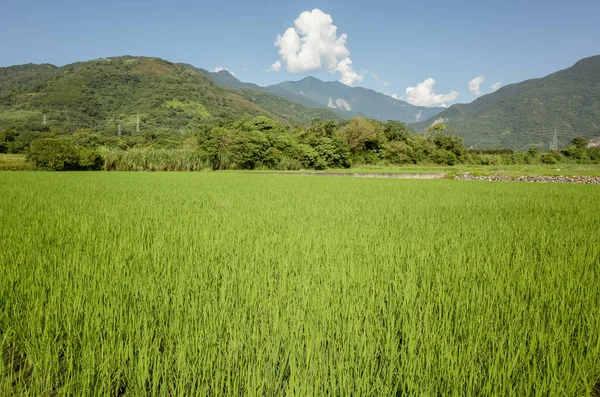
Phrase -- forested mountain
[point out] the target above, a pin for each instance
(527, 114)
(347, 102)
(103, 94)
(353, 100)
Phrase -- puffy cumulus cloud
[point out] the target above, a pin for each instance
(275, 67)
(313, 44)
(422, 94)
(475, 85)
(496, 86)
(217, 69)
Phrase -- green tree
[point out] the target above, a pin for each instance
(60, 154)
(579, 142)
(357, 132)
(396, 131)
(53, 154)
(436, 129)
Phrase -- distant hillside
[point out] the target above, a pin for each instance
(226, 79)
(352, 100)
(347, 102)
(270, 100)
(526, 114)
(103, 93)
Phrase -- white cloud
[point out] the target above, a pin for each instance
(313, 44)
(395, 96)
(475, 85)
(496, 86)
(218, 69)
(244, 69)
(423, 95)
(275, 67)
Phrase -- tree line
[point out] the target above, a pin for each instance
(262, 143)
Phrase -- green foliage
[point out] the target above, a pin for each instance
(191, 108)
(60, 154)
(550, 158)
(396, 131)
(575, 152)
(104, 93)
(356, 133)
(579, 142)
(262, 143)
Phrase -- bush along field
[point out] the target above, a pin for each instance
(195, 284)
(261, 143)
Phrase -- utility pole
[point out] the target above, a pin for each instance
(554, 143)
(137, 127)
(119, 129)
(44, 120)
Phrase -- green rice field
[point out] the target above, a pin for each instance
(221, 284)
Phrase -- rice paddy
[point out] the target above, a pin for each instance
(196, 284)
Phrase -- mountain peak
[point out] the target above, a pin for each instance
(308, 79)
(225, 72)
(350, 101)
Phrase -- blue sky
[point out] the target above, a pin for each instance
(403, 43)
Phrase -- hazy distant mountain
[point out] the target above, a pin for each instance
(266, 98)
(528, 113)
(226, 79)
(347, 102)
(357, 100)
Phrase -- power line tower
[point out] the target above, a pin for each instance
(44, 120)
(119, 129)
(137, 127)
(554, 142)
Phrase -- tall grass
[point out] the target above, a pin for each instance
(149, 159)
(223, 284)
(15, 162)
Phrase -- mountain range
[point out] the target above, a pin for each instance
(528, 114)
(104, 93)
(347, 102)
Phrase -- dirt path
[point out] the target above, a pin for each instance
(361, 175)
(593, 180)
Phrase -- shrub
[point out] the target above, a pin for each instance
(443, 156)
(549, 159)
(59, 154)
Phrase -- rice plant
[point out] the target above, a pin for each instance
(195, 284)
